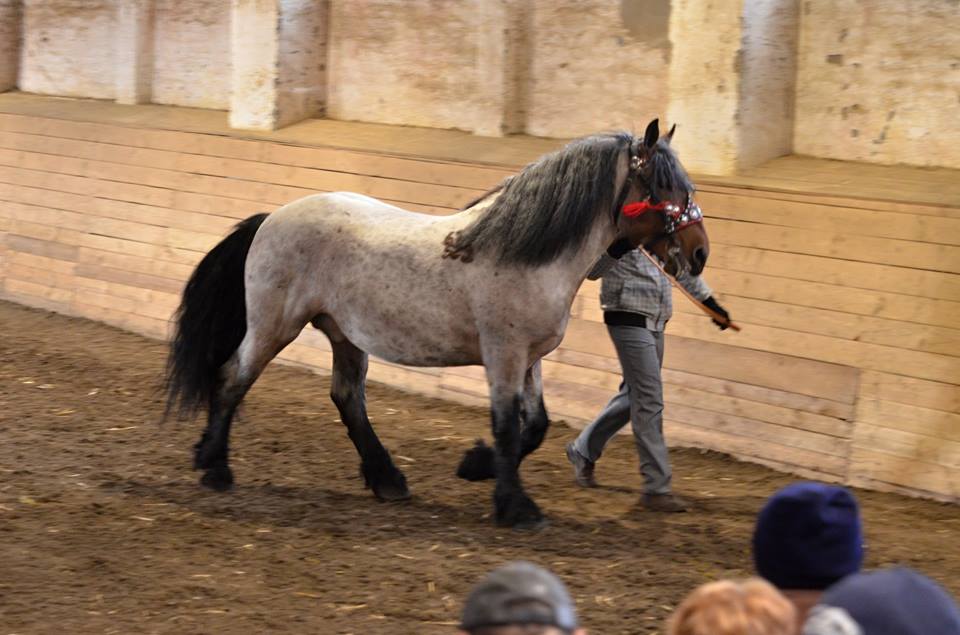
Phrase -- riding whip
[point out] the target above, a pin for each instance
(713, 314)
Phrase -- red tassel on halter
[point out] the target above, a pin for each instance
(635, 209)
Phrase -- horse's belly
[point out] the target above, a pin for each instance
(415, 345)
(422, 324)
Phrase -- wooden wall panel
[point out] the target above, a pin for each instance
(847, 368)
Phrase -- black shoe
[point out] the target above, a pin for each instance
(582, 467)
(664, 503)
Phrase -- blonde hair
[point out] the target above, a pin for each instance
(727, 607)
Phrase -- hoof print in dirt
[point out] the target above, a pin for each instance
(477, 463)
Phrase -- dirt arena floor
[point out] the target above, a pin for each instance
(103, 528)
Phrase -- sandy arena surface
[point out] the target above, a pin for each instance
(103, 528)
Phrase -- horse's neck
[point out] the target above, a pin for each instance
(566, 274)
(602, 234)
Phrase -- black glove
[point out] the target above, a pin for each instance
(710, 303)
(617, 249)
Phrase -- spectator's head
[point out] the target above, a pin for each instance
(895, 601)
(520, 599)
(808, 536)
(753, 607)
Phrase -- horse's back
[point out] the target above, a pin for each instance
(342, 208)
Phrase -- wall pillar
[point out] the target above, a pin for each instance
(10, 21)
(502, 56)
(134, 49)
(278, 54)
(732, 82)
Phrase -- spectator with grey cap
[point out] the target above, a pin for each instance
(520, 598)
(808, 536)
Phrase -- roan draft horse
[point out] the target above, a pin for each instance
(492, 285)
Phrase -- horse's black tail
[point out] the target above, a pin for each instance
(210, 322)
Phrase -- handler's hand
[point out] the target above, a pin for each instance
(710, 303)
(617, 249)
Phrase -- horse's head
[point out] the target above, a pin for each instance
(658, 212)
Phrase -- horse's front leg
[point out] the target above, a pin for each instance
(478, 462)
(512, 506)
(535, 421)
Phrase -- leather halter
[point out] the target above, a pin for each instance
(678, 218)
(675, 216)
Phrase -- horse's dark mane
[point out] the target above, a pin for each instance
(493, 190)
(549, 207)
(666, 173)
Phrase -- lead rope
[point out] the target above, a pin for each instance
(713, 314)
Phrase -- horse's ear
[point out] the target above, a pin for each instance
(669, 136)
(652, 134)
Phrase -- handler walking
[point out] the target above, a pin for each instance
(636, 302)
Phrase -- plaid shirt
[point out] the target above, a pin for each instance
(635, 285)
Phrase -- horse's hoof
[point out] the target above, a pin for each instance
(532, 525)
(207, 456)
(477, 463)
(534, 521)
(518, 512)
(387, 482)
(392, 492)
(219, 479)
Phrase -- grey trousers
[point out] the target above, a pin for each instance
(639, 401)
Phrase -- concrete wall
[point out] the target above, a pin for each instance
(704, 83)
(597, 64)
(502, 66)
(301, 84)
(407, 62)
(9, 43)
(732, 81)
(68, 48)
(746, 80)
(880, 81)
(278, 50)
(767, 67)
(192, 53)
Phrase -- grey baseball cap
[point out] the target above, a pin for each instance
(519, 593)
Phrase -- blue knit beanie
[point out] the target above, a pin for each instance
(808, 536)
(896, 601)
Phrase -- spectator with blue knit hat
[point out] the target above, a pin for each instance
(808, 536)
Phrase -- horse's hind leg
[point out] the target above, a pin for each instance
(211, 453)
(348, 393)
